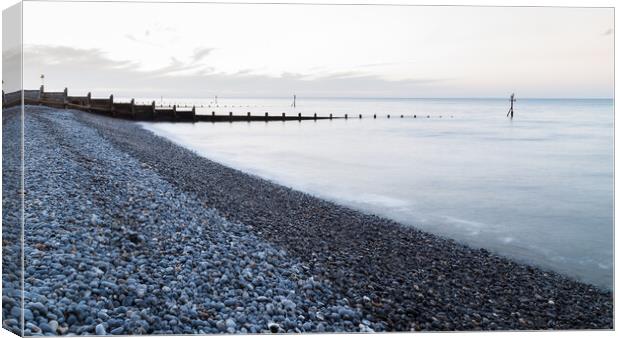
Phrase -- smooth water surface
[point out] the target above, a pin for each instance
(537, 188)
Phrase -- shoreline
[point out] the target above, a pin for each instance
(394, 277)
(513, 225)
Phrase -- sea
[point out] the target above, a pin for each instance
(537, 188)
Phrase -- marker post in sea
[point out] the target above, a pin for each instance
(511, 110)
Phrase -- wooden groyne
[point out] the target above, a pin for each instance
(105, 106)
(151, 112)
(139, 112)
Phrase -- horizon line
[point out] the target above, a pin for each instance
(393, 97)
(358, 97)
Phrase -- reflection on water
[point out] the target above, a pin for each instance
(537, 188)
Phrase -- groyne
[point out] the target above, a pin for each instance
(139, 112)
(152, 112)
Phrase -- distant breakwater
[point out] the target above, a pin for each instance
(152, 112)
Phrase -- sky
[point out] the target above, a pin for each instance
(11, 48)
(235, 50)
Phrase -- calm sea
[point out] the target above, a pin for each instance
(537, 188)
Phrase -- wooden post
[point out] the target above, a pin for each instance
(414, 116)
(299, 116)
(213, 115)
(266, 116)
(64, 99)
(511, 110)
(133, 109)
(401, 116)
(174, 112)
(230, 116)
(41, 92)
(346, 116)
(88, 97)
(283, 116)
(388, 116)
(194, 113)
(360, 116)
(249, 115)
(330, 116)
(153, 110)
(3, 100)
(374, 116)
(112, 105)
(315, 116)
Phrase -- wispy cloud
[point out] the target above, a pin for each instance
(131, 37)
(78, 58)
(379, 64)
(201, 53)
(175, 67)
(155, 35)
(91, 70)
(144, 40)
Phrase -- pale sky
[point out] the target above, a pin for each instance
(201, 50)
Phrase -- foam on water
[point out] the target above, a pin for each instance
(537, 188)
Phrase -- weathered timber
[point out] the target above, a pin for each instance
(133, 111)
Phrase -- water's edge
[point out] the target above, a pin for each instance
(273, 179)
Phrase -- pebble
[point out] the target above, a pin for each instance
(45, 327)
(53, 325)
(28, 315)
(100, 330)
(148, 257)
(273, 327)
(42, 309)
(117, 331)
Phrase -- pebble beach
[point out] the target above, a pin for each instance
(127, 233)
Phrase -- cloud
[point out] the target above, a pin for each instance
(156, 35)
(193, 66)
(201, 53)
(244, 72)
(379, 64)
(11, 65)
(84, 70)
(78, 59)
(131, 37)
(145, 41)
(176, 67)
